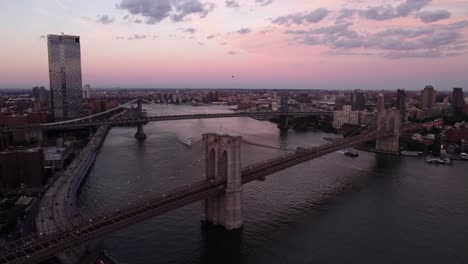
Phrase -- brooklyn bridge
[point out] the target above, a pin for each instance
(220, 191)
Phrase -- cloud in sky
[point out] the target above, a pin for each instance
(105, 19)
(235, 4)
(288, 41)
(427, 41)
(244, 31)
(231, 4)
(386, 12)
(433, 16)
(137, 37)
(156, 11)
(189, 30)
(264, 2)
(303, 18)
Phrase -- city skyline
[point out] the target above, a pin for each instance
(244, 44)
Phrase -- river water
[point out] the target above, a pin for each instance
(334, 209)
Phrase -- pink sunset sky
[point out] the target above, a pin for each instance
(296, 44)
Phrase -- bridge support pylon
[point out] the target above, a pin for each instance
(223, 163)
(140, 134)
(388, 121)
(284, 120)
(283, 124)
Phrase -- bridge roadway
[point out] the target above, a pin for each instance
(130, 121)
(32, 250)
(58, 205)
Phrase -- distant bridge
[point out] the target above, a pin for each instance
(136, 121)
(140, 119)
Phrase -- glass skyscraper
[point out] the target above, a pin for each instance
(65, 76)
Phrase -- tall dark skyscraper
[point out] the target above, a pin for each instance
(401, 104)
(428, 97)
(458, 100)
(358, 101)
(41, 95)
(339, 102)
(65, 76)
(380, 102)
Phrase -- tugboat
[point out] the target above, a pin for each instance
(351, 153)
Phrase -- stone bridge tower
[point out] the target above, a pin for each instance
(223, 163)
(388, 121)
(284, 120)
(140, 134)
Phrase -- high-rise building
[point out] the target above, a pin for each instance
(401, 104)
(358, 100)
(86, 91)
(41, 95)
(428, 97)
(65, 76)
(339, 102)
(380, 102)
(13, 170)
(458, 100)
(9, 173)
(347, 116)
(33, 174)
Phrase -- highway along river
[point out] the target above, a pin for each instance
(335, 209)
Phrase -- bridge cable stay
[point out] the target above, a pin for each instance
(355, 132)
(144, 195)
(265, 146)
(241, 133)
(92, 219)
(90, 116)
(254, 143)
(148, 193)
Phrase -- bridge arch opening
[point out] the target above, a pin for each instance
(223, 165)
(383, 124)
(391, 124)
(211, 165)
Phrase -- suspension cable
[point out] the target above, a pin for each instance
(265, 146)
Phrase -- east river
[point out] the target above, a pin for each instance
(334, 209)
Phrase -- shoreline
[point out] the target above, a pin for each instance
(59, 208)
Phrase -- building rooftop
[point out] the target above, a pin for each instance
(24, 200)
(53, 153)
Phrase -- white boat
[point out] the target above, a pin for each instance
(464, 156)
(435, 161)
(411, 153)
(445, 161)
(187, 142)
